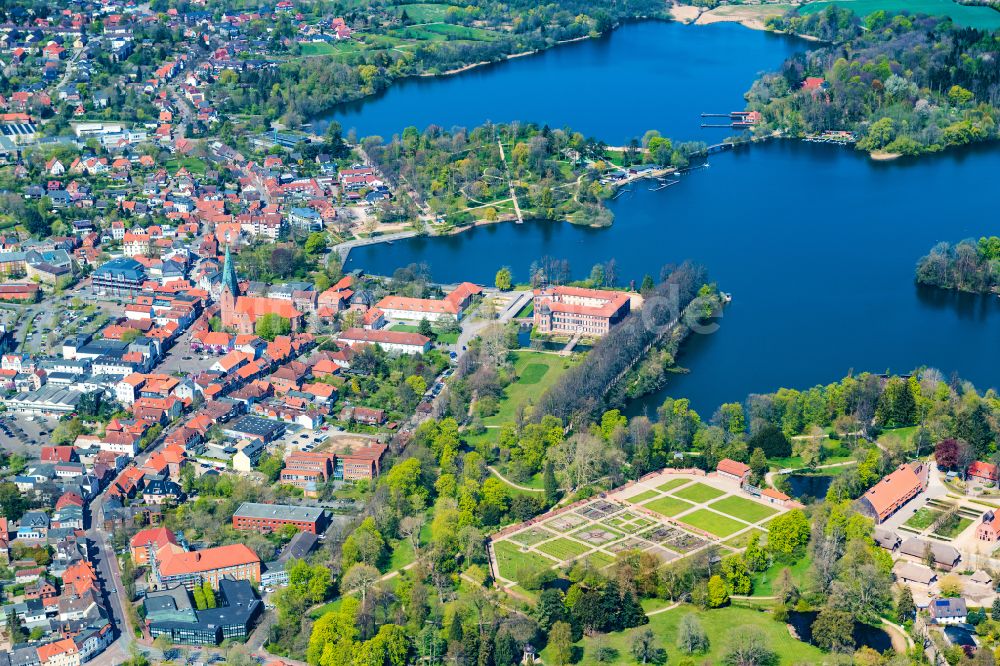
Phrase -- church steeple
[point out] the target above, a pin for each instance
(229, 281)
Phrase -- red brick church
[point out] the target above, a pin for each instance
(240, 313)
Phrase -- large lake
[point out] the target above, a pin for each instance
(817, 244)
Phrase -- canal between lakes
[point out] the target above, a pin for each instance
(816, 243)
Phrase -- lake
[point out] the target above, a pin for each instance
(816, 243)
(646, 75)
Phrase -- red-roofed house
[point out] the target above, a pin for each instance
(733, 470)
(147, 542)
(983, 471)
(893, 491)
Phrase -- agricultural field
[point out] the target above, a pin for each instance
(967, 16)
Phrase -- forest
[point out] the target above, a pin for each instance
(905, 85)
(968, 265)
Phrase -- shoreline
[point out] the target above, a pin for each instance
(466, 68)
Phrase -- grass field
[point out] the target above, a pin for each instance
(192, 164)
(326, 48)
(671, 484)
(563, 548)
(744, 509)
(963, 15)
(718, 625)
(699, 492)
(439, 336)
(510, 559)
(668, 506)
(712, 522)
(536, 373)
(763, 582)
(742, 539)
(899, 438)
(452, 32)
(642, 497)
(424, 12)
(922, 519)
(955, 530)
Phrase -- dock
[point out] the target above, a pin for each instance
(737, 119)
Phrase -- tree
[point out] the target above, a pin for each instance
(718, 593)
(550, 609)
(747, 646)
(906, 608)
(506, 651)
(771, 440)
(646, 650)
(360, 578)
(561, 643)
(691, 637)
(785, 588)
(788, 533)
(209, 594)
(833, 630)
(504, 280)
(316, 243)
(754, 556)
(549, 483)
(272, 325)
(424, 328)
(389, 647)
(758, 465)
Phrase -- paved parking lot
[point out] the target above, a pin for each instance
(23, 436)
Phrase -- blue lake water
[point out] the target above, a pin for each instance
(649, 75)
(817, 244)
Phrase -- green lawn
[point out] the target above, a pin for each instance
(956, 529)
(425, 12)
(668, 506)
(712, 522)
(963, 15)
(192, 164)
(699, 492)
(900, 439)
(642, 497)
(763, 582)
(402, 554)
(452, 32)
(563, 548)
(922, 519)
(532, 382)
(439, 335)
(510, 559)
(671, 484)
(527, 311)
(744, 509)
(742, 539)
(717, 623)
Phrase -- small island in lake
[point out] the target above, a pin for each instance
(971, 266)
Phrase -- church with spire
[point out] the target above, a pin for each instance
(240, 313)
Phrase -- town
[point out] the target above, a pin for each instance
(243, 420)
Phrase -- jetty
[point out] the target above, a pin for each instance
(737, 119)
